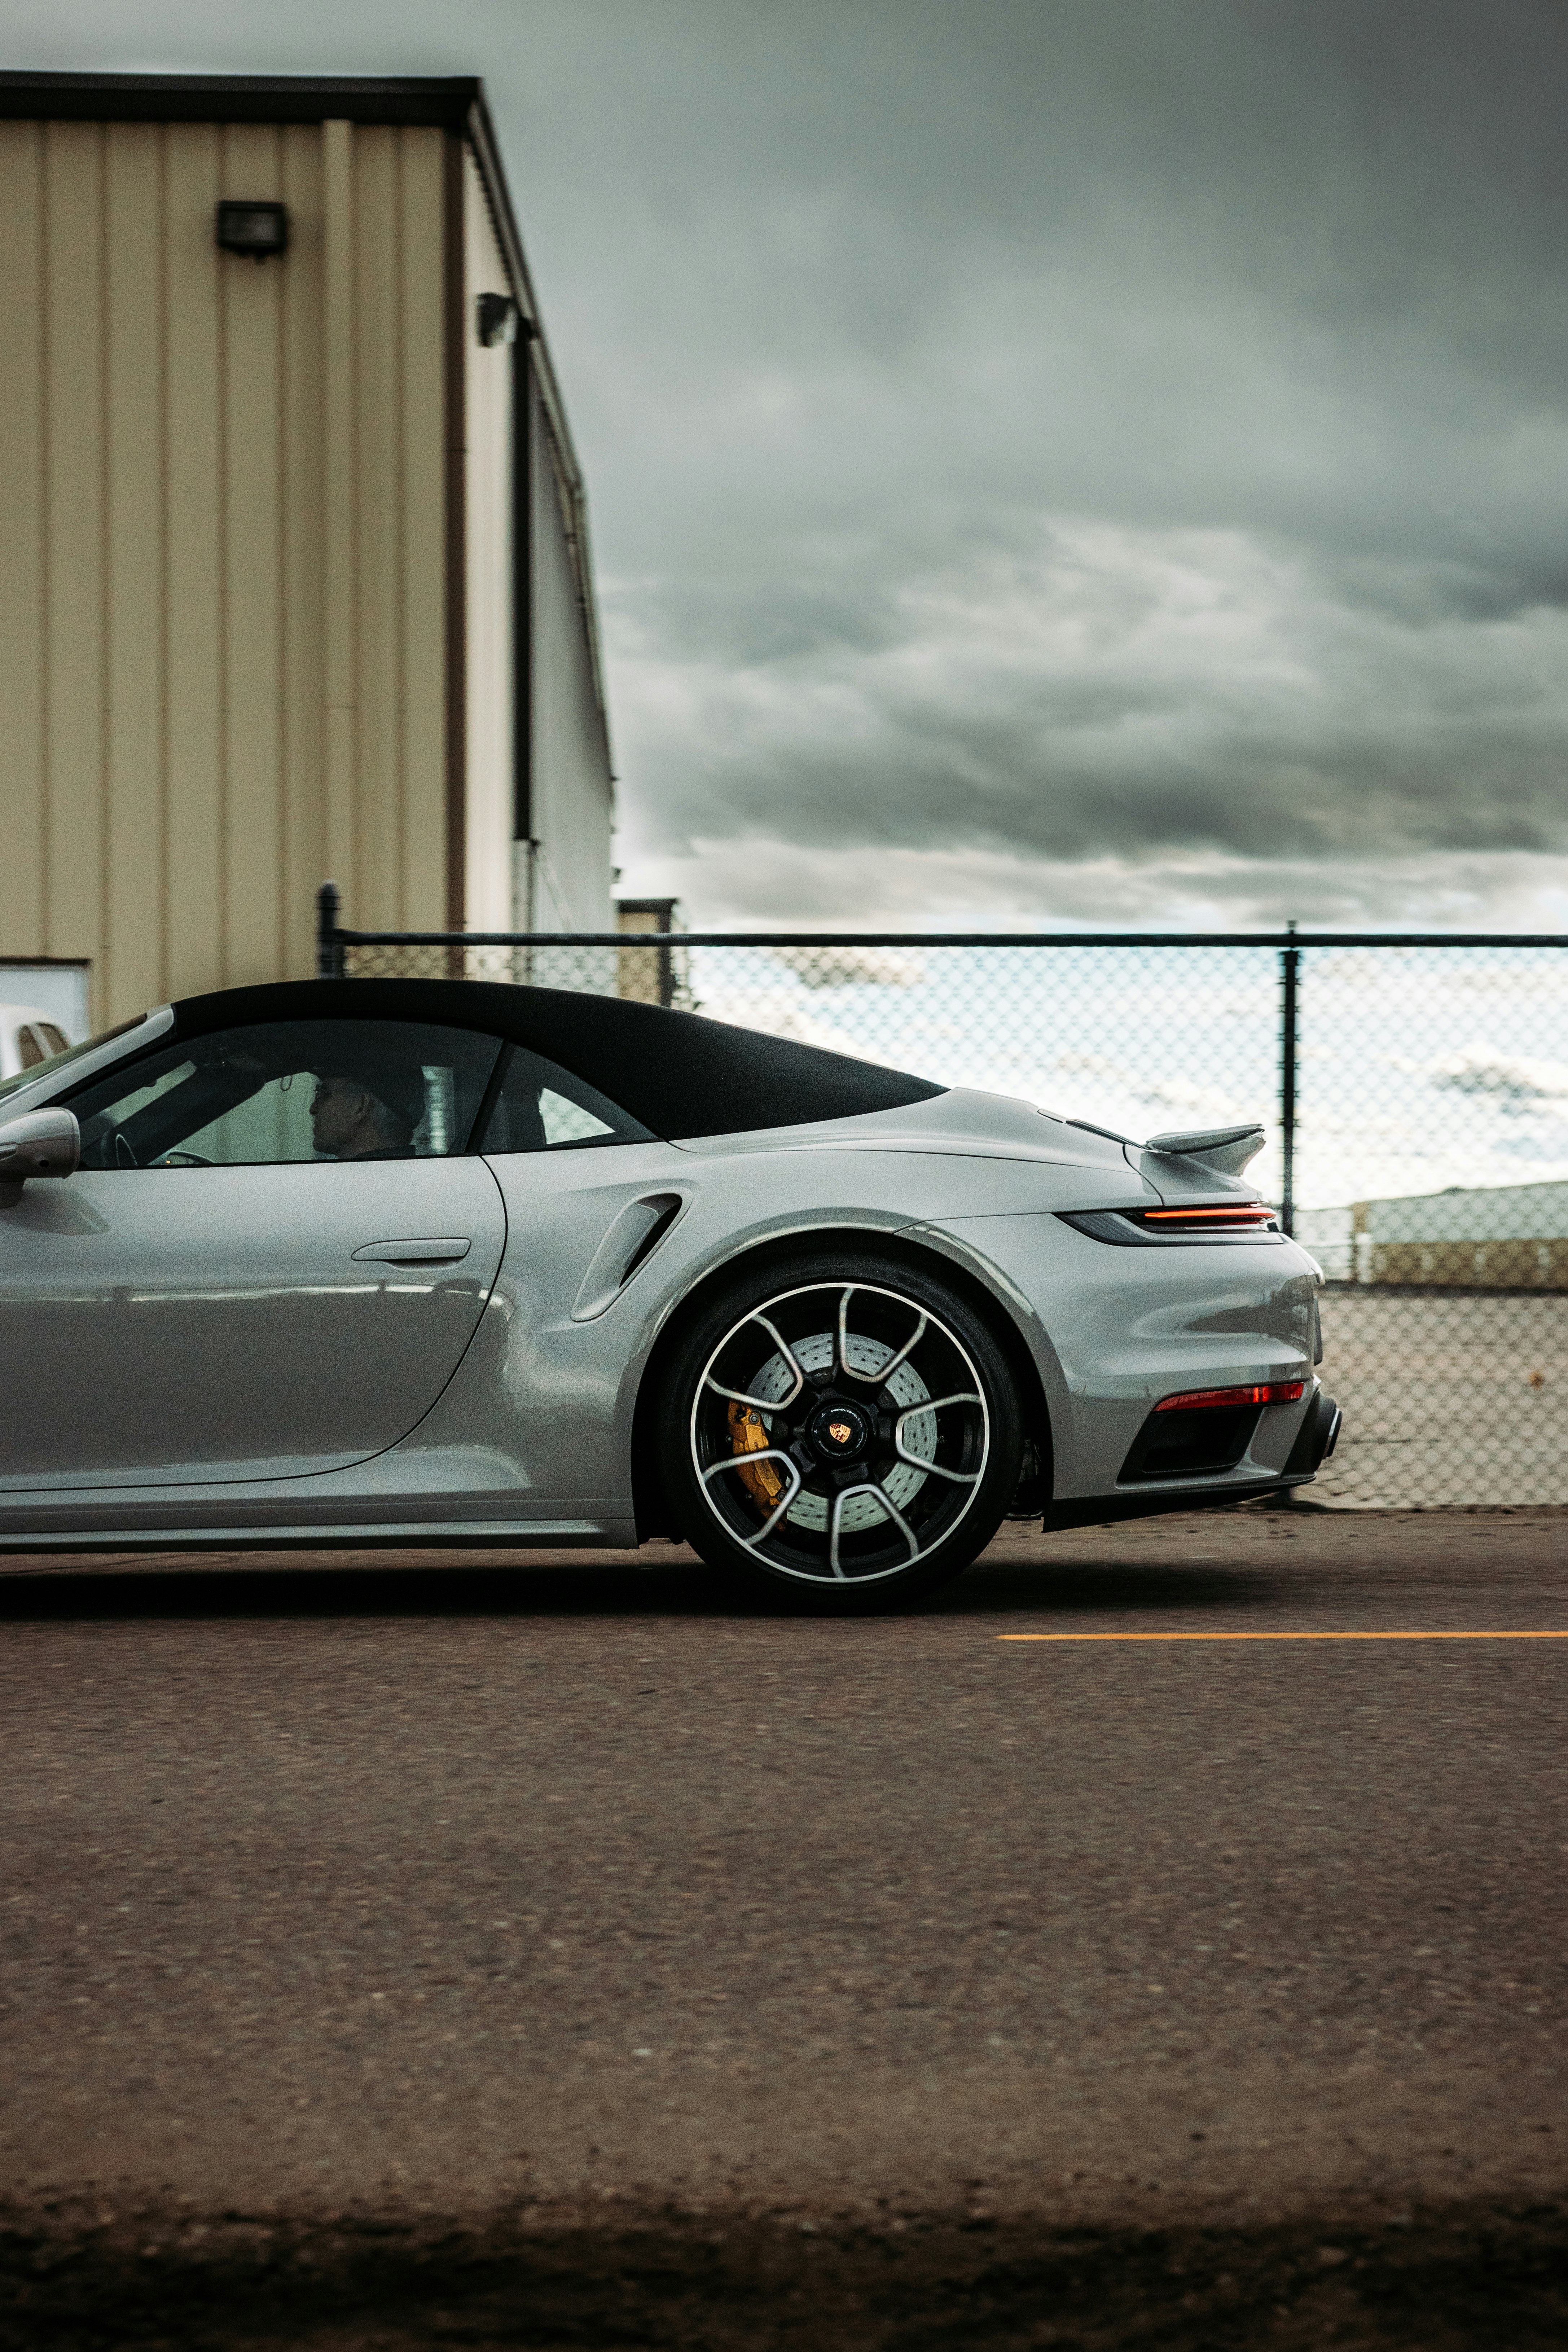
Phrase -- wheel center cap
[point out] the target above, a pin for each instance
(839, 1432)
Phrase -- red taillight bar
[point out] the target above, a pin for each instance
(1248, 1214)
(1270, 1392)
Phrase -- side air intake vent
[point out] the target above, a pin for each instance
(634, 1235)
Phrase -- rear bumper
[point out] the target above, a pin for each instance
(1315, 1441)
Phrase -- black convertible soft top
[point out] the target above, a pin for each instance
(677, 1074)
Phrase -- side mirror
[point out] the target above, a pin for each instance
(40, 1143)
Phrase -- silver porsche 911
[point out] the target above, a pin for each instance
(442, 1263)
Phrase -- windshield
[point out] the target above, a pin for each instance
(61, 1061)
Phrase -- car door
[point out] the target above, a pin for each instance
(210, 1297)
(590, 1194)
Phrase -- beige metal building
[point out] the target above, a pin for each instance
(1496, 1237)
(294, 569)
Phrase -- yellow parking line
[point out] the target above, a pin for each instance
(1550, 1633)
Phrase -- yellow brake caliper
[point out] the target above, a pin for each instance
(763, 1481)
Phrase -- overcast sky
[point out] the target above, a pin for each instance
(1095, 460)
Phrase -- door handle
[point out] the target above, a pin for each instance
(432, 1250)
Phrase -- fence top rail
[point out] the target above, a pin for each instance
(457, 939)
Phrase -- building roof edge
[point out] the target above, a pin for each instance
(443, 104)
(482, 136)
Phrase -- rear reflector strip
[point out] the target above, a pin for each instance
(1203, 1399)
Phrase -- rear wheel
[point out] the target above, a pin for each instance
(843, 1427)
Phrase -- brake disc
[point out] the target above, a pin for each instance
(906, 1388)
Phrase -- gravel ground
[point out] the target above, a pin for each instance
(574, 1903)
(1450, 1397)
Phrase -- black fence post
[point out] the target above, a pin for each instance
(1289, 975)
(329, 946)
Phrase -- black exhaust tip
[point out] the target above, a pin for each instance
(1316, 1439)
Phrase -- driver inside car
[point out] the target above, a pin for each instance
(366, 1114)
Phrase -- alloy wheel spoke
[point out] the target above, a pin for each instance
(758, 1404)
(780, 1507)
(845, 1296)
(746, 1462)
(765, 1405)
(880, 1378)
(834, 1524)
(918, 1461)
(786, 1351)
(847, 1495)
(896, 1516)
(749, 1461)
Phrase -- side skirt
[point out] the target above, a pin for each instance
(432, 1535)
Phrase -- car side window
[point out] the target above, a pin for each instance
(291, 1091)
(539, 1107)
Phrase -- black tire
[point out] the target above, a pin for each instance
(794, 1467)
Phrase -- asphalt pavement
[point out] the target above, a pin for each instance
(401, 1881)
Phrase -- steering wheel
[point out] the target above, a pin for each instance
(123, 1155)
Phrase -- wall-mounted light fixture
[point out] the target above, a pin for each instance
(259, 229)
(499, 320)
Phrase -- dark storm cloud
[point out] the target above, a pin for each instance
(1113, 429)
(1123, 429)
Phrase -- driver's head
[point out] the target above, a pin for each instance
(356, 1111)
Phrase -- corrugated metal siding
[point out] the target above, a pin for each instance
(488, 627)
(22, 677)
(222, 663)
(570, 786)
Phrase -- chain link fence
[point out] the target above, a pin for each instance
(1415, 1090)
